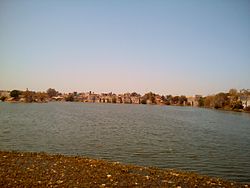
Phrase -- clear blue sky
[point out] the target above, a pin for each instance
(168, 47)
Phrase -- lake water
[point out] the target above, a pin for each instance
(209, 142)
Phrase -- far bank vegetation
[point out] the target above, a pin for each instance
(231, 100)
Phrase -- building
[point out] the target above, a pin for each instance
(194, 100)
(126, 98)
(245, 101)
(119, 99)
(135, 100)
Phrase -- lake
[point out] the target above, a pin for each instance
(210, 142)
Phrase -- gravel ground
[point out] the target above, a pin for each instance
(18, 169)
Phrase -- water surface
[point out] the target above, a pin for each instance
(209, 142)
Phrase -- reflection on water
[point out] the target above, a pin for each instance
(210, 142)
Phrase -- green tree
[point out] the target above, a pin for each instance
(221, 100)
(175, 100)
(41, 96)
(236, 105)
(201, 102)
(182, 99)
(169, 99)
(209, 101)
(233, 92)
(29, 96)
(164, 100)
(2, 98)
(113, 99)
(234, 97)
(150, 96)
(15, 94)
(69, 98)
(52, 92)
(247, 109)
(143, 101)
(134, 94)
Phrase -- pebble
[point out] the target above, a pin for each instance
(16, 169)
(59, 181)
(174, 174)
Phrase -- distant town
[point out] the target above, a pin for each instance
(232, 100)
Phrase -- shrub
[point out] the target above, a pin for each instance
(247, 108)
(70, 98)
(15, 93)
(2, 98)
(143, 101)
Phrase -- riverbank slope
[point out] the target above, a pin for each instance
(22, 169)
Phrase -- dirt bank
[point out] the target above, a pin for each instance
(19, 169)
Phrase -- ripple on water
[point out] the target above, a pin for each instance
(205, 141)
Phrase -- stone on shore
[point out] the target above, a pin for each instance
(21, 169)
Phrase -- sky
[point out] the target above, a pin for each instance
(167, 47)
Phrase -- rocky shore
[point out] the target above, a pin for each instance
(21, 169)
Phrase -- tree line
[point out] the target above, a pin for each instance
(231, 100)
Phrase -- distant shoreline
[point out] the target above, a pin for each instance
(233, 100)
(220, 109)
(29, 169)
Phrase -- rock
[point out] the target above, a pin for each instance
(59, 181)
(77, 172)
